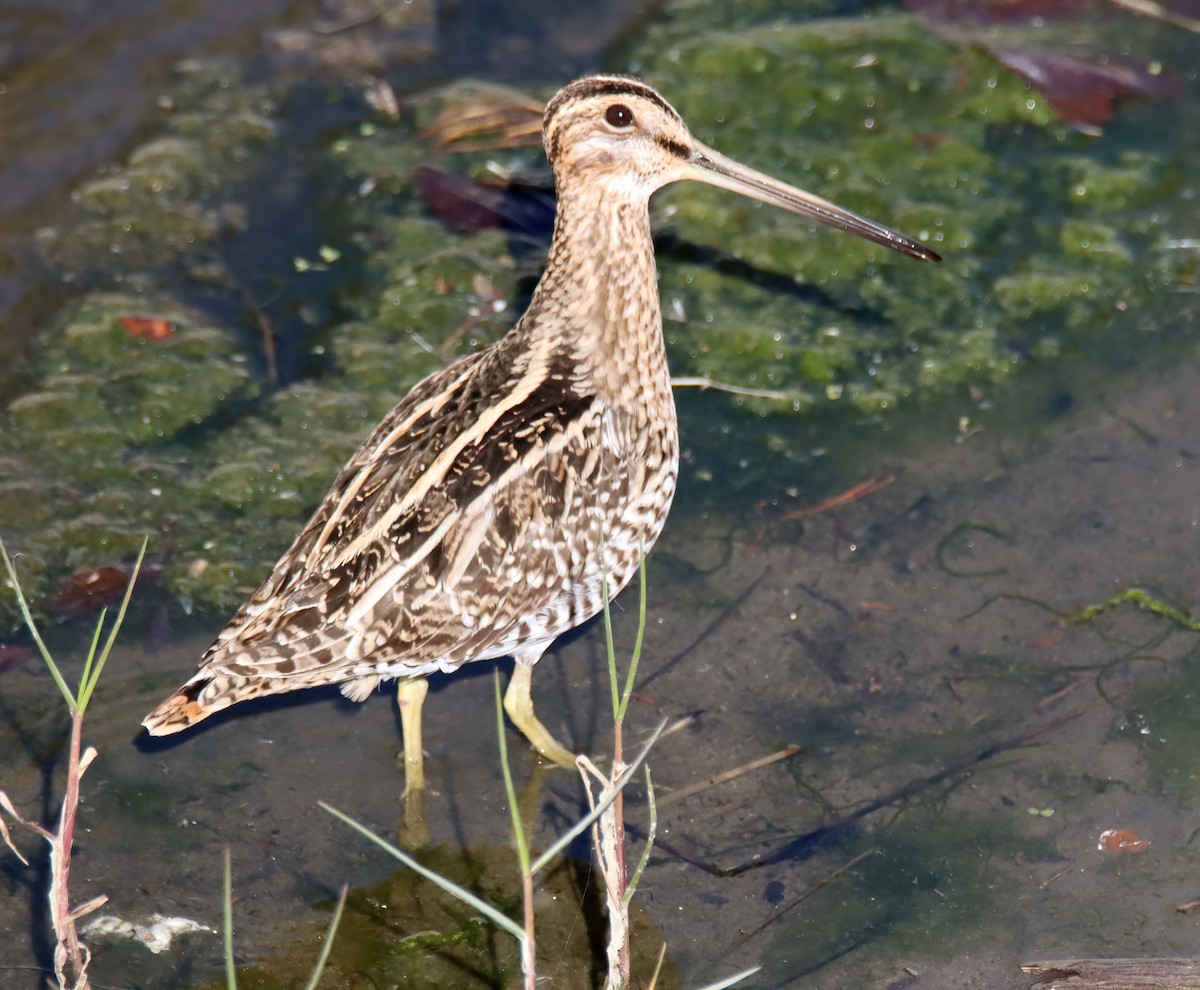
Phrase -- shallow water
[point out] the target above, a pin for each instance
(959, 744)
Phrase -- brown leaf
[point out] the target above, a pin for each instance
(1083, 91)
(1121, 840)
(470, 205)
(95, 588)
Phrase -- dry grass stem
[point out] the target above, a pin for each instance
(683, 793)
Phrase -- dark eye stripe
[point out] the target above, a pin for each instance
(674, 147)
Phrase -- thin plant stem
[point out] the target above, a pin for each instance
(618, 878)
(617, 899)
(323, 958)
(662, 955)
(602, 805)
(514, 810)
(651, 832)
(71, 957)
(69, 964)
(91, 655)
(731, 980)
(91, 676)
(67, 693)
(608, 638)
(529, 942)
(227, 900)
(636, 656)
(497, 918)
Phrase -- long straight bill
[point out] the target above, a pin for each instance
(715, 169)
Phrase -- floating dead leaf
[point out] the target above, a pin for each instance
(1121, 840)
(460, 201)
(95, 588)
(470, 205)
(1084, 90)
(151, 327)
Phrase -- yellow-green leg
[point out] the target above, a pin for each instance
(410, 696)
(519, 704)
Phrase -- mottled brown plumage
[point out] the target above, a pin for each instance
(469, 525)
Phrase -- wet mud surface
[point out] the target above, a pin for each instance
(950, 748)
(909, 644)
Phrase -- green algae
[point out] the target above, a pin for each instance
(1054, 247)
(927, 884)
(404, 931)
(94, 438)
(880, 116)
(167, 202)
(1162, 720)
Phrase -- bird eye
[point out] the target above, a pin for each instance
(619, 115)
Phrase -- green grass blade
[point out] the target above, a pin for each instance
(635, 659)
(230, 971)
(89, 684)
(67, 693)
(517, 825)
(731, 980)
(608, 640)
(489, 912)
(631, 887)
(586, 821)
(91, 653)
(323, 958)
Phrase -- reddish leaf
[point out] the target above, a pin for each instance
(459, 201)
(95, 588)
(151, 327)
(464, 203)
(1083, 91)
(1121, 840)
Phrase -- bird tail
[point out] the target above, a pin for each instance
(182, 710)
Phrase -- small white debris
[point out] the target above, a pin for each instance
(155, 936)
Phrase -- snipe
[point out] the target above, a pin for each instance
(470, 524)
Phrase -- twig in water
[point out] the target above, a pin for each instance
(704, 384)
(793, 846)
(790, 847)
(266, 333)
(727, 775)
(853, 494)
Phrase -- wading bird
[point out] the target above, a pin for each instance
(471, 523)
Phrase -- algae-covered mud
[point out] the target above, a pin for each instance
(289, 337)
(258, 277)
